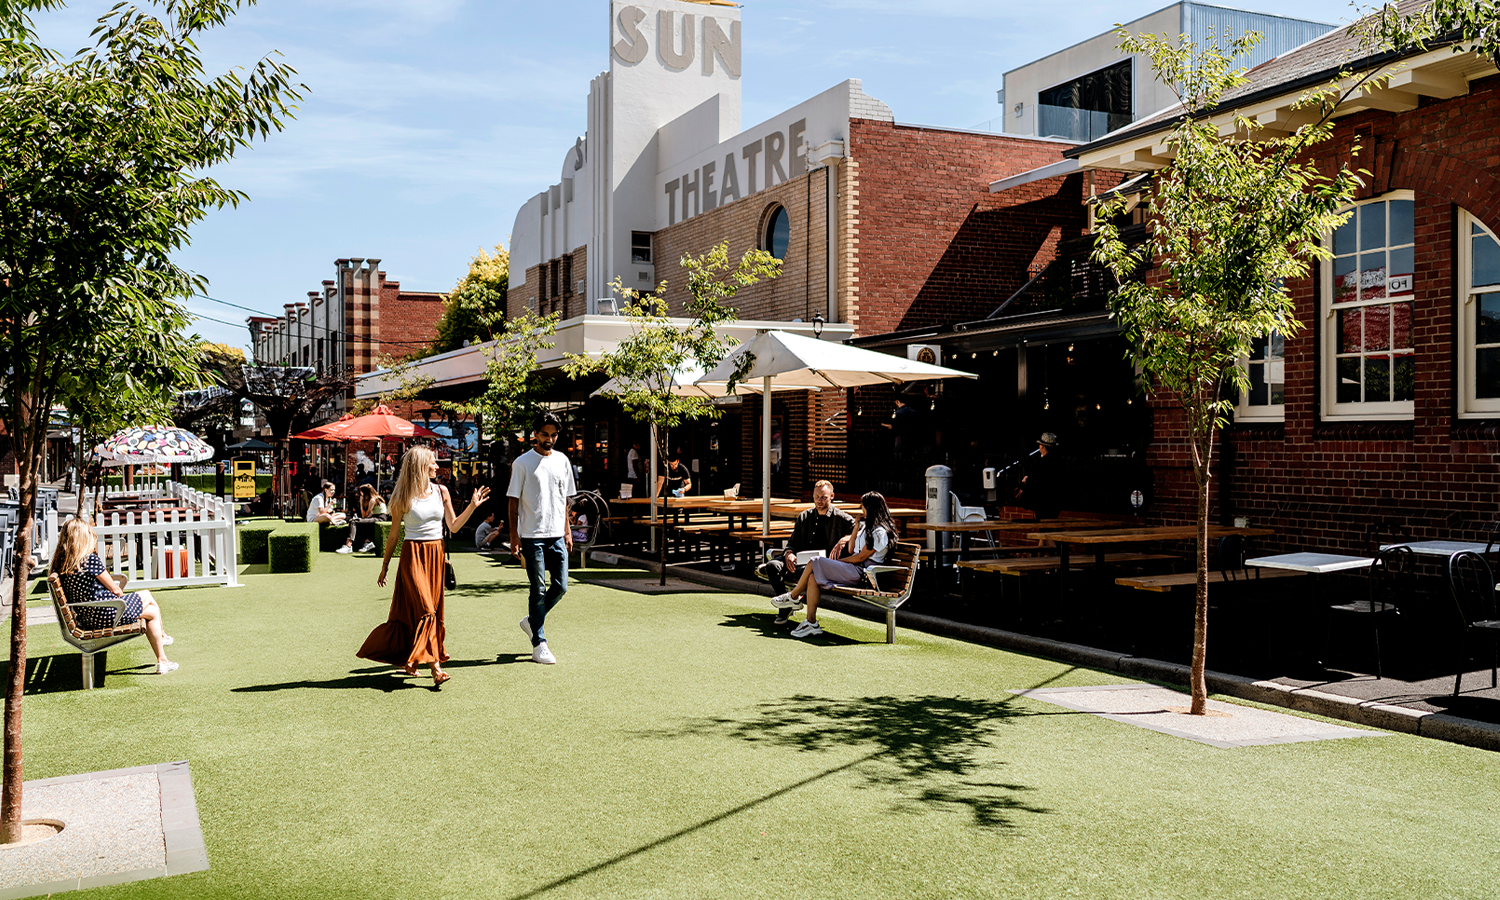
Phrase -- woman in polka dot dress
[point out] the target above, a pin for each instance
(84, 580)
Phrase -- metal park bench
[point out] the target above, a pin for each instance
(90, 642)
(891, 585)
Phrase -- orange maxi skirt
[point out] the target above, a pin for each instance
(413, 634)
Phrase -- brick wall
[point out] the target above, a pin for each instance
(933, 245)
(560, 278)
(406, 317)
(1320, 483)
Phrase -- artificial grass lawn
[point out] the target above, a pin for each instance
(682, 748)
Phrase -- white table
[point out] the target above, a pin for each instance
(1316, 563)
(1439, 548)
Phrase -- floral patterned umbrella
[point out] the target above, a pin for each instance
(152, 444)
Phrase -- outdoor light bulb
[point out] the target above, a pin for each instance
(1097, 406)
(994, 353)
(1070, 348)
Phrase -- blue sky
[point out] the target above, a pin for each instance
(429, 122)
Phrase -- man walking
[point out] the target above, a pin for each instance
(819, 528)
(541, 481)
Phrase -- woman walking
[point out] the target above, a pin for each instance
(413, 634)
(874, 537)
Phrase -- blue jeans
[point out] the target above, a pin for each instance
(544, 556)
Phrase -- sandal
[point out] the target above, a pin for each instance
(410, 670)
(440, 677)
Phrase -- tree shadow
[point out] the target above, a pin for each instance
(933, 751)
(761, 622)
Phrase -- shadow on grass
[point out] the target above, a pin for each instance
(385, 679)
(761, 622)
(59, 673)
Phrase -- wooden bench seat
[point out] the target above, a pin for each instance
(89, 642)
(1165, 583)
(894, 583)
(1049, 563)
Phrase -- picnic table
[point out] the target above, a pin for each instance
(966, 530)
(1102, 539)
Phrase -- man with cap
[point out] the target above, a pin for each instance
(1040, 489)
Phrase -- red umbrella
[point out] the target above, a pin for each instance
(382, 423)
(324, 432)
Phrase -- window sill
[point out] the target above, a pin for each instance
(1363, 431)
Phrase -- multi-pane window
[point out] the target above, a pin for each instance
(1266, 367)
(1479, 317)
(1369, 355)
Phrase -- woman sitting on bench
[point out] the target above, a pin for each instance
(84, 580)
(874, 537)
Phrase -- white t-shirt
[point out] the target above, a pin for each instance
(632, 464)
(543, 484)
(315, 508)
(482, 532)
(880, 539)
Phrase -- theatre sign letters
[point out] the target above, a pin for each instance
(677, 40)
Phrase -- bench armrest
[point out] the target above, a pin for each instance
(873, 571)
(117, 604)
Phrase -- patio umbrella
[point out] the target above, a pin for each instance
(254, 445)
(780, 359)
(686, 382)
(380, 423)
(324, 432)
(152, 445)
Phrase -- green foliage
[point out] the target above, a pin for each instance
(513, 394)
(475, 309)
(252, 537)
(332, 537)
(289, 548)
(383, 532)
(644, 364)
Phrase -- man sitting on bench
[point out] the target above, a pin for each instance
(819, 528)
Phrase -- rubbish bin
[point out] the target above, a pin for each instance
(939, 504)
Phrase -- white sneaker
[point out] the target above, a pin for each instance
(526, 626)
(166, 640)
(368, 547)
(807, 629)
(784, 601)
(542, 654)
(345, 549)
(164, 668)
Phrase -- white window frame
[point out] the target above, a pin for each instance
(1393, 410)
(1272, 412)
(1470, 406)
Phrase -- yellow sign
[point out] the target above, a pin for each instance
(244, 479)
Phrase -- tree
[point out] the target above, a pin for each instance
(100, 181)
(513, 394)
(475, 309)
(1233, 218)
(289, 397)
(646, 364)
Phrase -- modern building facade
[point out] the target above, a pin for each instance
(1085, 91)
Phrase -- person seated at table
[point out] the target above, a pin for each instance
(488, 532)
(578, 523)
(819, 528)
(322, 509)
(675, 477)
(874, 538)
(85, 580)
(372, 509)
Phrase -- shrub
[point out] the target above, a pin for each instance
(332, 537)
(290, 547)
(382, 532)
(252, 538)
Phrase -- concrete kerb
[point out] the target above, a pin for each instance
(1438, 726)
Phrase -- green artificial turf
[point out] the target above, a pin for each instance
(683, 748)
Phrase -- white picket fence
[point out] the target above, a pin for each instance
(152, 547)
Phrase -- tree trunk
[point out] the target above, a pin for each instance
(1203, 454)
(27, 459)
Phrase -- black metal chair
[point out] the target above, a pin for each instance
(1390, 579)
(1384, 532)
(1472, 584)
(1232, 552)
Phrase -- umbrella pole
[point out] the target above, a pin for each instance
(765, 457)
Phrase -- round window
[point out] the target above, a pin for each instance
(778, 233)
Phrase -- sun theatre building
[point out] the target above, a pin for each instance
(880, 226)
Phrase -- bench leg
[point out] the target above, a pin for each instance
(890, 626)
(88, 671)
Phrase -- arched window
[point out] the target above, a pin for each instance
(778, 232)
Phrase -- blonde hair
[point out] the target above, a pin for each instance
(413, 480)
(822, 482)
(74, 545)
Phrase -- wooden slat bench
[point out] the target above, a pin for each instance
(1165, 583)
(1051, 563)
(893, 585)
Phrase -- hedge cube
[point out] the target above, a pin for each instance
(290, 547)
(331, 537)
(383, 531)
(252, 537)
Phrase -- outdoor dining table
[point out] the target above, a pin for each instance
(1101, 539)
(744, 508)
(1316, 564)
(1440, 548)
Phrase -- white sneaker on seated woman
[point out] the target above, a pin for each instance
(324, 510)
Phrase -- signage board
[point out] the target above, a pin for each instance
(244, 479)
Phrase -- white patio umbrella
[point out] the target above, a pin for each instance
(685, 383)
(781, 360)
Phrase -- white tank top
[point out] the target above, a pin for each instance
(424, 520)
